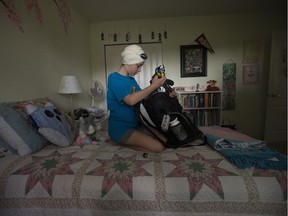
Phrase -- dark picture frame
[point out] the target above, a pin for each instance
(193, 60)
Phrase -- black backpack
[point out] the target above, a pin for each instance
(159, 109)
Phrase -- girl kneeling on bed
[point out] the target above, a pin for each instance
(122, 96)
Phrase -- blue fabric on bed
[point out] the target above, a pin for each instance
(246, 154)
(264, 158)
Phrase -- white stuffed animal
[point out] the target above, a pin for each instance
(87, 132)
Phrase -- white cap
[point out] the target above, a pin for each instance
(133, 54)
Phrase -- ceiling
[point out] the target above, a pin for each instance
(112, 10)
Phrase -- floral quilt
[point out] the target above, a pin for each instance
(107, 179)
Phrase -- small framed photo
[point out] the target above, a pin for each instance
(251, 74)
(193, 61)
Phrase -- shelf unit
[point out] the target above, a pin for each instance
(203, 107)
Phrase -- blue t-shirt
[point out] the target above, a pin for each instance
(122, 116)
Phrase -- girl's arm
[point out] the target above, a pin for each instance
(135, 97)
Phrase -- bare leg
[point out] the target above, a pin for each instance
(158, 134)
(143, 142)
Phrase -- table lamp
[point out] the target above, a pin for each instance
(70, 85)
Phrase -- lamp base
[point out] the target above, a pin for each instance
(71, 113)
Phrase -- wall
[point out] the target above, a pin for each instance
(33, 62)
(225, 33)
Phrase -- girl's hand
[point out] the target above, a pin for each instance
(158, 82)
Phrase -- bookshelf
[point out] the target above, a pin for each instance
(203, 107)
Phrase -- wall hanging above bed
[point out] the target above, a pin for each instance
(33, 6)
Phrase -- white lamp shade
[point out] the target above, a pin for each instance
(69, 85)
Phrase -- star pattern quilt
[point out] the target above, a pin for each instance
(108, 179)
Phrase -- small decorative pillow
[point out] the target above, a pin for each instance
(16, 135)
(50, 123)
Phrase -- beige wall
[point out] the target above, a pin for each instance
(33, 62)
(225, 33)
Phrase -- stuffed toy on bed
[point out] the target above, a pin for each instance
(51, 123)
(87, 131)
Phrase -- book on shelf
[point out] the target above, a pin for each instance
(191, 101)
(199, 100)
(206, 99)
(203, 117)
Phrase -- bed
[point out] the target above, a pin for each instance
(108, 179)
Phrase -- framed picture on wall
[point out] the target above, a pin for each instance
(193, 61)
(251, 74)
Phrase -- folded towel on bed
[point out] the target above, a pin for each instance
(244, 151)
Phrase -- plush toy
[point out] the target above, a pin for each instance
(51, 123)
(211, 86)
(81, 113)
(87, 132)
